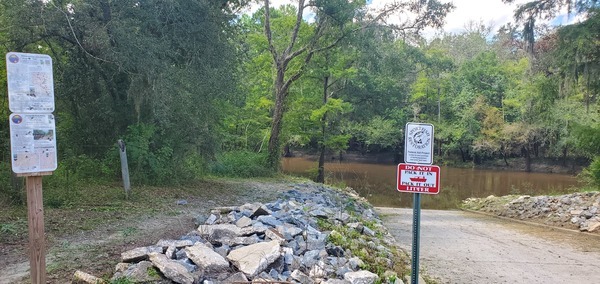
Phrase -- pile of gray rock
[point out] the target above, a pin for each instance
(275, 242)
(577, 210)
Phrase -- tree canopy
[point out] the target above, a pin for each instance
(192, 85)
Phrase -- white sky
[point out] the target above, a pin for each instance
(489, 12)
(492, 13)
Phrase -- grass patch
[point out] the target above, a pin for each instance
(13, 224)
(244, 164)
(374, 260)
(122, 280)
(152, 272)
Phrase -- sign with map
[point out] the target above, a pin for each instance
(33, 143)
(30, 83)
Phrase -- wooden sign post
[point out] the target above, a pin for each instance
(35, 217)
(32, 141)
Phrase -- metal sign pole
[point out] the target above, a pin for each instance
(415, 242)
(418, 176)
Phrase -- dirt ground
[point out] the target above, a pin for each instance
(97, 250)
(463, 247)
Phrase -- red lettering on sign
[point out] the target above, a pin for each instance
(418, 179)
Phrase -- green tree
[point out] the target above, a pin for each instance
(333, 21)
(332, 67)
(122, 64)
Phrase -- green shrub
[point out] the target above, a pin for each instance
(149, 162)
(591, 174)
(81, 168)
(193, 167)
(11, 187)
(241, 164)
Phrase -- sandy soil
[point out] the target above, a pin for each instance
(463, 247)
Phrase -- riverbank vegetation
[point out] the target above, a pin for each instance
(201, 87)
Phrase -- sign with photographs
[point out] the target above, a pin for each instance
(33, 143)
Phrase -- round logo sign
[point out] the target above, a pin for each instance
(419, 137)
(13, 58)
(17, 119)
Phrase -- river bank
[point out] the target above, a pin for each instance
(377, 182)
(577, 211)
(538, 165)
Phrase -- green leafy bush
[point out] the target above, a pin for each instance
(592, 173)
(241, 164)
(153, 159)
(11, 187)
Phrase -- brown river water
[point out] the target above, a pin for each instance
(377, 182)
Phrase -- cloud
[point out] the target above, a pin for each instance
(489, 12)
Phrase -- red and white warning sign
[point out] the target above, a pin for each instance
(418, 179)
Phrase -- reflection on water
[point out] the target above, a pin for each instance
(377, 182)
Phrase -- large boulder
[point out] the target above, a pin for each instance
(171, 269)
(137, 273)
(301, 277)
(255, 258)
(140, 253)
(254, 210)
(206, 258)
(215, 232)
(361, 277)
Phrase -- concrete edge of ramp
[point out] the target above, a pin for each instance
(518, 221)
(533, 223)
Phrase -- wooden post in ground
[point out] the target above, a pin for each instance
(37, 240)
(124, 167)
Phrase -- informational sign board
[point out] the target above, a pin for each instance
(33, 143)
(30, 83)
(418, 143)
(418, 179)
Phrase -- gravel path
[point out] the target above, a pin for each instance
(463, 247)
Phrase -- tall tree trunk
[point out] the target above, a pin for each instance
(274, 143)
(281, 61)
(287, 152)
(462, 154)
(527, 159)
(439, 101)
(322, 148)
